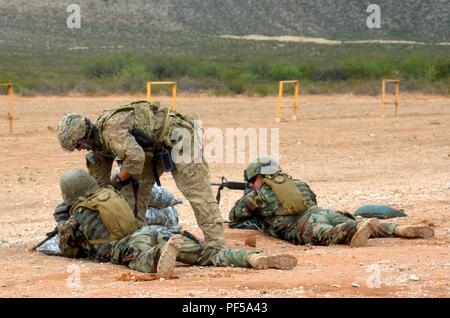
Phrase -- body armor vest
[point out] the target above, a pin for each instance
(114, 211)
(287, 193)
(144, 114)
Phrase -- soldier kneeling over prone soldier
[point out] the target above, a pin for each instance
(99, 224)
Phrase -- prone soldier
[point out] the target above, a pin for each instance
(99, 224)
(288, 210)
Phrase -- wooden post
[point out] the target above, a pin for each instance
(383, 97)
(397, 93)
(149, 92)
(296, 94)
(174, 96)
(11, 108)
(280, 101)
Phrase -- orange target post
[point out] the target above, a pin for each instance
(383, 95)
(280, 99)
(10, 114)
(174, 91)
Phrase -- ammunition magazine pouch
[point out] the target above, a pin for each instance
(143, 140)
(291, 199)
(115, 213)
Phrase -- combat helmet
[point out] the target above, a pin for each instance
(75, 183)
(71, 129)
(262, 165)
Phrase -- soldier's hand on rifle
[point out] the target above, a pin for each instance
(120, 179)
(61, 213)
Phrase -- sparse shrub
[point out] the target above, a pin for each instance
(100, 66)
(331, 74)
(262, 91)
(237, 87)
(280, 72)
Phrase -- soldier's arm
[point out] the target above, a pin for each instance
(122, 144)
(99, 167)
(70, 238)
(250, 205)
(305, 189)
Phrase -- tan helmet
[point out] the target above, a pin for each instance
(71, 129)
(75, 183)
(262, 165)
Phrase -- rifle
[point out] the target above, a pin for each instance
(49, 235)
(230, 185)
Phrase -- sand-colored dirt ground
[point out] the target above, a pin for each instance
(341, 145)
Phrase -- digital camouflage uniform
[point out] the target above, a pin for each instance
(140, 250)
(117, 143)
(319, 226)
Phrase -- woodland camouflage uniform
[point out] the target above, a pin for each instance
(101, 227)
(314, 225)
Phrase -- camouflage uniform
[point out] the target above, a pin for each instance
(140, 250)
(116, 142)
(317, 225)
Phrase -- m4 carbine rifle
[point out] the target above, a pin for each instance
(229, 185)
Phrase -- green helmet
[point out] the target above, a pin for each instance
(71, 129)
(75, 183)
(262, 165)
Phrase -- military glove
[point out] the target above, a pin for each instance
(62, 213)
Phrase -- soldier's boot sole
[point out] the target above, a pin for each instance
(283, 261)
(414, 231)
(367, 229)
(169, 253)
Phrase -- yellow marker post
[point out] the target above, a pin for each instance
(10, 115)
(383, 95)
(280, 99)
(174, 91)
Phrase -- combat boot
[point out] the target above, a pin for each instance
(364, 231)
(169, 253)
(261, 261)
(414, 231)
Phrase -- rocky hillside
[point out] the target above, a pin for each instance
(174, 23)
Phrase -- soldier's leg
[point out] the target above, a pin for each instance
(404, 231)
(193, 181)
(320, 228)
(141, 250)
(146, 181)
(195, 253)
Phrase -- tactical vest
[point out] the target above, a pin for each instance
(291, 199)
(114, 211)
(144, 113)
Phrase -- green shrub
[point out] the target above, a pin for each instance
(236, 87)
(280, 72)
(262, 91)
(331, 74)
(99, 66)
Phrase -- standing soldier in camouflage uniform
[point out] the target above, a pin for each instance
(97, 223)
(288, 210)
(136, 135)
